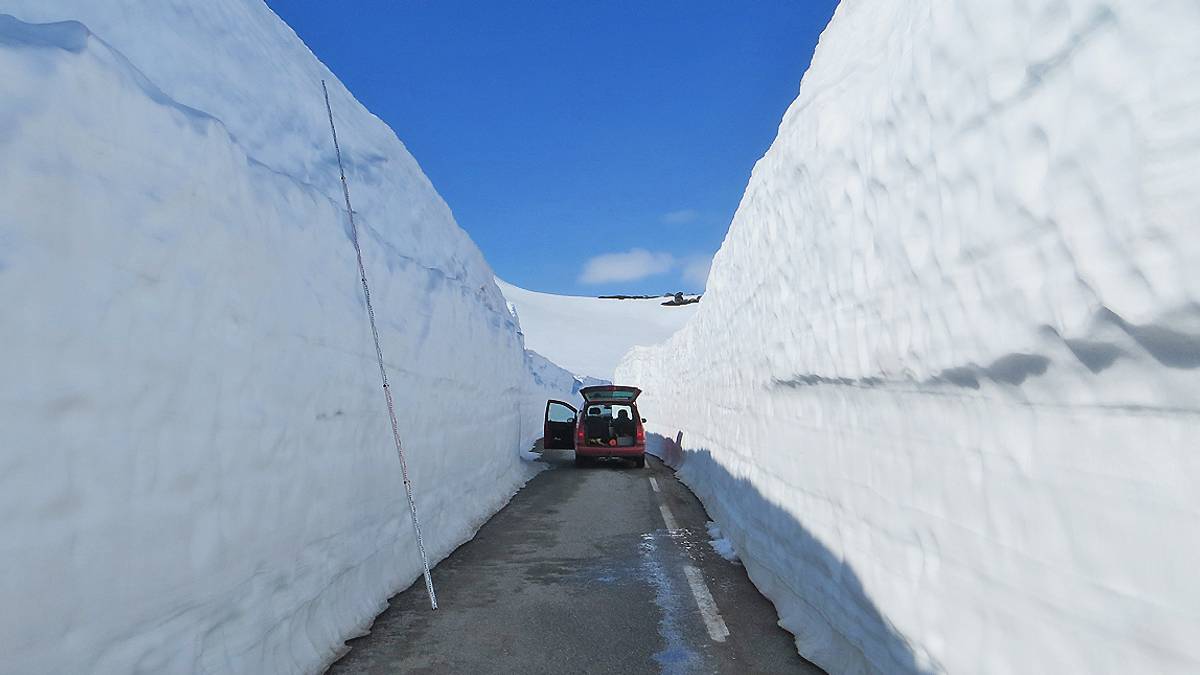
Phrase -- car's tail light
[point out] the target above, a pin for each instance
(641, 434)
(579, 435)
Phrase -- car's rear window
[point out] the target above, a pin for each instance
(612, 410)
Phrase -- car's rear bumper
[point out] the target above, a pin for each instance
(610, 451)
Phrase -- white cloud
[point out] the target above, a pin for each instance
(695, 270)
(631, 265)
(680, 217)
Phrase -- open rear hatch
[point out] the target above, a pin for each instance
(610, 393)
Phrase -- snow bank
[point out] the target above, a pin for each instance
(588, 336)
(196, 472)
(942, 392)
(720, 543)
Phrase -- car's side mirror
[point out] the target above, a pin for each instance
(643, 420)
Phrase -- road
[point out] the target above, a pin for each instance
(602, 569)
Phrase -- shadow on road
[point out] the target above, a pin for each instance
(828, 590)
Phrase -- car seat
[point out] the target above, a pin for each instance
(596, 424)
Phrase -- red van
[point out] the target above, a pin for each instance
(607, 426)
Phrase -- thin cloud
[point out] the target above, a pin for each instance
(680, 217)
(631, 265)
(695, 270)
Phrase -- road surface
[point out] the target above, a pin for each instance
(603, 569)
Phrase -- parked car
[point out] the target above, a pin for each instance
(608, 425)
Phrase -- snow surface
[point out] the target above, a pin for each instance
(588, 336)
(197, 472)
(943, 390)
(720, 543)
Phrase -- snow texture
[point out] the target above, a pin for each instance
(588, 336)
(197, 472)
(943, 390)
(720, 543)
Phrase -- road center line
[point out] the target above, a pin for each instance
(668, 518)
(713, 622)
(717, 630)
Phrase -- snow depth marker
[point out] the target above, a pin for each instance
(387, 392)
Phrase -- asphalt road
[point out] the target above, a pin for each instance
(591, 570)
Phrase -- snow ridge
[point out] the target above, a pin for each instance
(942, 388)
(588, 336)
(198, 474)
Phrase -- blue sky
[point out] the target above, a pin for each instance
(587, 147)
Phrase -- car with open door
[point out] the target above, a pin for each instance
(608, 425)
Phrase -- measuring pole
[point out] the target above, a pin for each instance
(387, 392)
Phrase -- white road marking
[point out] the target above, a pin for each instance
(713, 622)
(717, 630)
(668, 518)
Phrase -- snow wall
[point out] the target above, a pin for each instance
(196, 468)
(943, 390)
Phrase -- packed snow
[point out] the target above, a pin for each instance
(943, 392)
(198, 473)
(588, 336)
(720, 543)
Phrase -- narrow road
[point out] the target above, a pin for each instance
(604, 569)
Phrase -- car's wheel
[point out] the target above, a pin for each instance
(640, 461)
(581, 460)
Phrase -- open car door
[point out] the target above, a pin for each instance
(559, 430)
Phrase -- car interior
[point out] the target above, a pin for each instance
(611, 425)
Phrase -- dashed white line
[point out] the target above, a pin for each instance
(717, 630)
(668, 518)
(713, 622)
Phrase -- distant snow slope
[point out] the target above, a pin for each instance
(943, 392)
(588, 336)
(196, 468)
